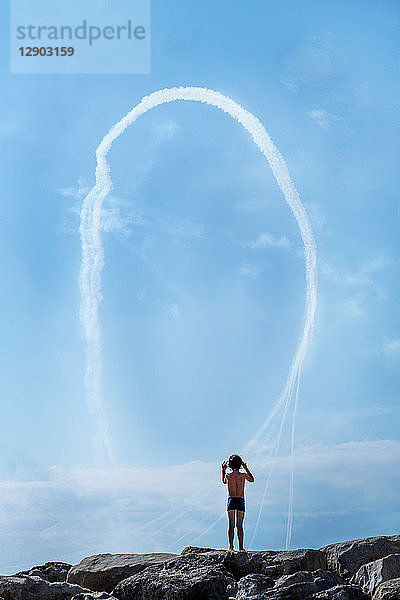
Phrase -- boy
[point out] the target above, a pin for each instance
(236, 481)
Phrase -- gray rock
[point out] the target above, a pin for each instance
(93, 596)
(193, 576)
(231, 590)
(273, 563)
(302, 584)
(251, 587)
(50, 571)
(388, 590)
(292, 561)
(198, 550)
(240, 564)
(102, 572)
(34, 588)
(340, 592)
(346, 558)
(372, 574)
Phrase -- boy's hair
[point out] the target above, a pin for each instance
(235, 462)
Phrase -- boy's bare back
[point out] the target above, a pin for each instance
(236, 482)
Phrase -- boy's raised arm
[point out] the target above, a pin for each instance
(223, 472)
(248, 475)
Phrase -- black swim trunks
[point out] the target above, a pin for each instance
(235, 503)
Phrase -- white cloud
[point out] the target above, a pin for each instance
(266, 240)
(317, 218)
(310, 61)
(249, 270)
(392, 346)
(183, 228)
(359, 285)
(322, 118)
(118, 215)
(165, 131)
(175, 312)
(355, 307)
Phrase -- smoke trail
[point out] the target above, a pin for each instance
(92, 250)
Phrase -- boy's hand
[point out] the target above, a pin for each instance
(248, 475)
(224, 465)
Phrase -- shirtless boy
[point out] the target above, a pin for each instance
(236, 481)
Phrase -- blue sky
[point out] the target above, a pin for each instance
(203, 284)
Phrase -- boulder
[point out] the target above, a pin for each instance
(340, 592)
(35, 588)
(231, 590)
(273, 563)
(189, 577)
(388, 590)
(240, 564)
(251, 587)
(102, 572)
(50, 571)
(372, 574)
(291, 561)
(302, 584)
(297, 586)
(346, 558)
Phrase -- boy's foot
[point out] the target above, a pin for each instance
(242, 550)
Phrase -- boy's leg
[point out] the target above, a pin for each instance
(239, 527)
(231, 528)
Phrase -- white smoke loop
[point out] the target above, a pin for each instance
(93, 260)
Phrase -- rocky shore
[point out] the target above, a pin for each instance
(366, 569)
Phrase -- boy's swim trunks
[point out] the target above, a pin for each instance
(235, 503)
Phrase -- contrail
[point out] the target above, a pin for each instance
(92, 251)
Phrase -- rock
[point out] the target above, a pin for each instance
(340, 592)
(297, 586)
(192, 576)
(35, 588)
(50, 571)
(102, 572)
(232, 589)
(212, 573)
(273, 563)
(388, 590)
(372, 574)
(346, 558)
(291, 561)
(353, 570)
(252, 586)
(301, 585)
(198, 550)
(93, 596)
(240, 564)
